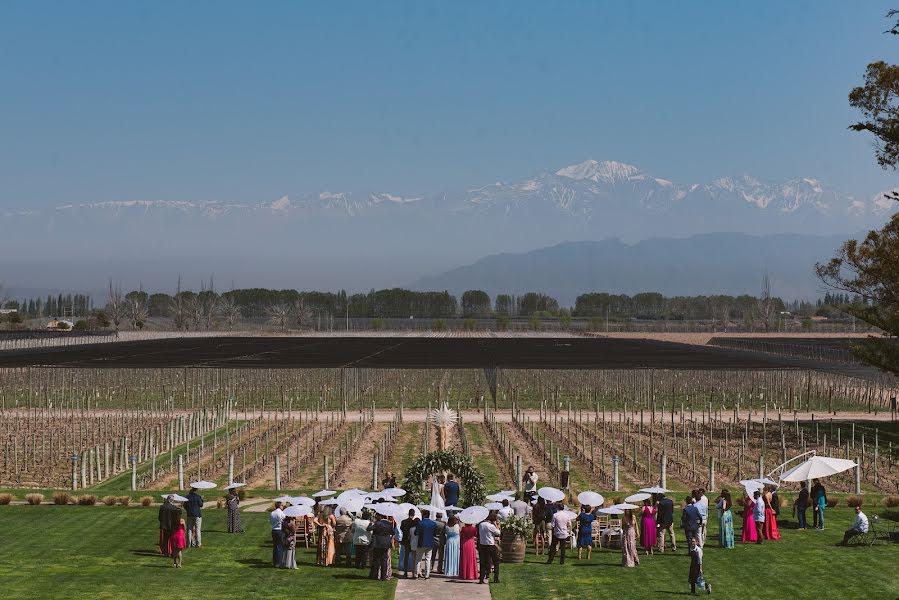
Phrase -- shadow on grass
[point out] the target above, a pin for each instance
(143, 552)
(255, 563)
(351, 576)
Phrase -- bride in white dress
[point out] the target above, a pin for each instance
(437, 498)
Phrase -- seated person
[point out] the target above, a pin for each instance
(860, 526)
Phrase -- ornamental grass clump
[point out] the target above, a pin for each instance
(124, 500)
(86, 500)
(891, 501)
(108, 500)
(5, 499)
(146, 500)
(62, 498)
(34, 499)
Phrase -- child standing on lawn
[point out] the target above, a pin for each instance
(696, 576)
(178, 542)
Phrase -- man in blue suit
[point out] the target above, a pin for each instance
(451, 491)
(425, 530)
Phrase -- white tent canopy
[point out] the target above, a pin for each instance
(817, 467)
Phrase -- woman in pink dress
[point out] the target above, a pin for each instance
(749, 533)
(648, 530)
(177, 543)
(770, 529)
(468, 556)
(629, 557)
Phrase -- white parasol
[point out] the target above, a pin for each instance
(498, 497)
(233, 486)
(638, 497)
(330, 502)
(302, 500)
(551, 494)
(473, 515)
(493, 506)
(590, 498)
(354, 504)
(323, 494)
(387, 509)
(287, 499)
(297, 511)
(751, 486)
(175, 497)
(394, 492)
(611, 510)
(571, 516)
(452, 508)
(657, 489)
(202, 485)
(625, 506)
(817, 467)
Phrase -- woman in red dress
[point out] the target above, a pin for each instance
(770, 530)
(468, 557)
(749, 532)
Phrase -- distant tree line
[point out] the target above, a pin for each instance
(61, 305)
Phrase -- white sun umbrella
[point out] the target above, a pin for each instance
(571, 516)
(656, 489)
(551, 494)
(452, 508)
(590, 498)
(611, 510)
(323, 494)
(302, 500)
(817, 467)
(233, 486)
(766, 481)
(508, 492)
(283, 499)
(493, 506)
(394, 492)
(354, 504)
(344, 496)
(473, 515)
(625, 506)
(202, 485)
(638, 497)
(175, 497)
(330, 502)
(297, 511)
(386, 509)
(404, 508)
(498, 497)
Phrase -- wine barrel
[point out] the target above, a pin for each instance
(513, 548)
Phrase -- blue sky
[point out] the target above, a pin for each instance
(249, 101)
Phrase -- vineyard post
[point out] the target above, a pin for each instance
(518, 474)
(326, 472)
(663, 471)
(277, 472)
(374, 467)
(711, 472)
(231, 469)
(858, 478)
(615, 461)
(180, 472)
(133, 473)
(761, 467)
(74, 458)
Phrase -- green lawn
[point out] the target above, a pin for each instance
(802, 564)
(110, 552)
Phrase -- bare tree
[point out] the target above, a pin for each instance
(179, 308)
(229, 309)
(136, 308)
(302, 314)
(766, 303)
(280, 315)
(115, 305)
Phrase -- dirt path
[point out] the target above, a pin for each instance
(358, 472)
(528, 455)
(406, 449)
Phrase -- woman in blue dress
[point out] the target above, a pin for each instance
(726, 522)
(585, 531)
(451, 549)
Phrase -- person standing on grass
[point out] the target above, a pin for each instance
(819, 501)
(519, 506)
(726, 521)
(506, 511)
(648, 531)
(177, 543)
(407, 557)
(468, 552)
(451, 549)
(690, 519)
(629, 556)
(195, 519)
(665, 521)
(289, 543)
(425, 532)
(771, 532)
(585, 531)
(232, 501)
(488, 535)
(439, 542)
(343, 538)
(749, 530)
(561, 531)
(697, 577)
(451, 490)
(801, 504)
(537, 516)
(702, 505)
(382, 533)
(166, 523)
(361, 539)
(529, 482)
(276, 518)
(758, 513)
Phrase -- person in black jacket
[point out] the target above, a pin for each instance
(665, 522)
(167, 513)
(801, 504)
(194, 506)
(406, 527)
(382, 537)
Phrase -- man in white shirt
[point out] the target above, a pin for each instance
(519, 507)
(561, 530)
(530, 483)
(361, 538)
(488, 535)
(505, 512)
(276, 517)
(860, 526)
(702, 504)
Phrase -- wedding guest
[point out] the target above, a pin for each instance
(690, 520)
(505, 512)
(232, 502)
(382, 535)
(749, 530)
(561, 530)
(696, 574)
(859, 527)
(819, 501)
(451, 549)
(585, 531)
(488, 535)
(537, 516)
(468, 553)
(648, 533)
(361, 538)
(424, 530)
(801, 504)
(726, 520)
(178, 543)
(520, 508)
(665, 521)
(276, 518)
(702, 505)
(194, 507)
(629, 557)
(289, 541)
(166, 524)
(343, 539)
(439, 542)
(407, 557)
(758, 513)
(771, 532)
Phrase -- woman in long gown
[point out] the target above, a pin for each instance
(232, 501)
(437, 498)
(468, 555)
(585, 531)
(325, 523)
(770, 528)
(726, 522)
(749, 532)
(451, 549)
(289, 556)
(629, 557)
(649, 534)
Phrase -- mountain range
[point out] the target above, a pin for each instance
(357, 240)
